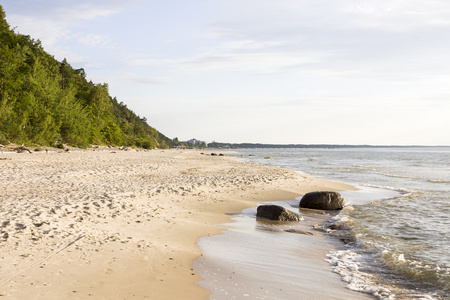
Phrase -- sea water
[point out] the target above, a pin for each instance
(398, 245)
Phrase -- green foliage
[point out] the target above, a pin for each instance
(3, 140)
(47, 102)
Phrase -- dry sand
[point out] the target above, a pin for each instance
(111, 224)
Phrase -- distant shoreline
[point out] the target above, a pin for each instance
(314, 146)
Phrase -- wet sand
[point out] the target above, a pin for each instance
(262, 259)
(111, 224)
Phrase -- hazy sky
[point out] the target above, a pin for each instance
(270, 71)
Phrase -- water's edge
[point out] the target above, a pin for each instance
(291, 264)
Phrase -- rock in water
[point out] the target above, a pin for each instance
(323, 200)
(277, 213)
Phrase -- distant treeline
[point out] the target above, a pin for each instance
(258, 145)
(47, 102)
(265, 146)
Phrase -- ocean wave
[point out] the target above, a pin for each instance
(438, 181)
(427, 275)
(384, 172)
(348, 265)
(402, 191)
(370, 265)
(365, 167)
(360, 269)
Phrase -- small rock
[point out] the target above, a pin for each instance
(277, 213)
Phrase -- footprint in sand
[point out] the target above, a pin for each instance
(108, 271)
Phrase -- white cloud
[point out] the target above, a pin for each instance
(248, 56)
(48, 31)
(52, 22)
(95, 40)
(399, 15)
(86, 11)
(380, 40)
(67, 11)
(137, 78)
(254, 62)
(74, 59)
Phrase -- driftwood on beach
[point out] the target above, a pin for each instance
(21, 149)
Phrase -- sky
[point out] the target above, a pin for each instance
(262, 71)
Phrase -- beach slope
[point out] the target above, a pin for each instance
(111, 224)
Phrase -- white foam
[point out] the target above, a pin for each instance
(347, 264)
(368, 194)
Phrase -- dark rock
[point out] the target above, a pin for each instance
(277, 213)
(348, 240)
(322, 200)
(335, 227)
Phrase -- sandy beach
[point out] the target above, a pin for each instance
(112, 224)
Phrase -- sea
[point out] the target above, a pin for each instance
(395, 231)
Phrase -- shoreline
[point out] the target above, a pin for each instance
(263, 259)
(124, 224)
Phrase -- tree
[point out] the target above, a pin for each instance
(43, 101)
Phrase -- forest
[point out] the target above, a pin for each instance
(47, 102)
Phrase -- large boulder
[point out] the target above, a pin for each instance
(322, 200)
(277, 213)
